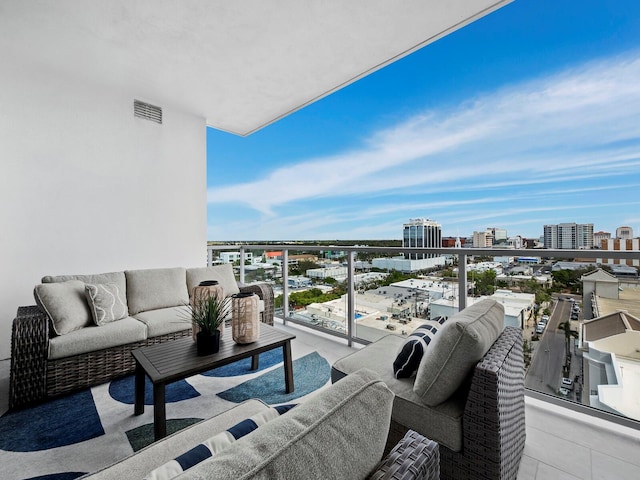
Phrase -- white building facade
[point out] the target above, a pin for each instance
(568, 236)
(421, 233)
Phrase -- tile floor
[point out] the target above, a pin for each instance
(561, 444)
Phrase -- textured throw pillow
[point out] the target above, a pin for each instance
(106, 302)
(461, 343)
(414, 457)
(412, 350)
(65, 305)
(215, 444)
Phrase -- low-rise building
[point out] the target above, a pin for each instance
(337, 272)
(610, 346)
(402, 264)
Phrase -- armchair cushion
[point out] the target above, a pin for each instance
(461, 343)
(340, 432)
(215, 444)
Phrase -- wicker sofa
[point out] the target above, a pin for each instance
(47, 361)
(481, 427)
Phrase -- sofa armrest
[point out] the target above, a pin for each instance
(414, 458)
(265, 292)
(494, 416)
(29, 350)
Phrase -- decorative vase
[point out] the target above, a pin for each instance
(205, 289)
(245, 317)
(207, 342)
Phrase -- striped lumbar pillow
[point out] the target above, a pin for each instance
(412, 350)
(215, 444)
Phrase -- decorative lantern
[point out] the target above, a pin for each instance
(208, 288)
(245, 317)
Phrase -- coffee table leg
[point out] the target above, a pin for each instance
(159, 412)
(255, 362)
(139, 391)
(288, 366)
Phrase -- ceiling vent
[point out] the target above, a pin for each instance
(147, 111)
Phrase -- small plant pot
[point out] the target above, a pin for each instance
(208, 343)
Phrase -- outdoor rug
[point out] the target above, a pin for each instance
(72, 435)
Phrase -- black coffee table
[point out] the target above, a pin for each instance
(176, 360)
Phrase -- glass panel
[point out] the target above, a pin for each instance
(581, 319)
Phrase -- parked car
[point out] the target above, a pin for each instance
(563, 391)
(540, 328)
(574, 316)
(567, 383)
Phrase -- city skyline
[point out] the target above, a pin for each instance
(524, 118)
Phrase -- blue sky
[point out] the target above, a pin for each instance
(529, 116)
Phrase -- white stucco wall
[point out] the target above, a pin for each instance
(86, 188)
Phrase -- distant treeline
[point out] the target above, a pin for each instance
(338, 243)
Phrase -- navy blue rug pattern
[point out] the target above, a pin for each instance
(123, 389)
(309, 373)
(66, 431)
(59, 422)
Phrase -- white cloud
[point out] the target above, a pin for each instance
(582, 123)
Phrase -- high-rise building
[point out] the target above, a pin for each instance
(421, 233)
(499, 234)
(482, 239)
(624, 233)
(570, 236)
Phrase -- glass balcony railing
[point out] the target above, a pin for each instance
(581, 323)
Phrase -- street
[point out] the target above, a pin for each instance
(545, 372)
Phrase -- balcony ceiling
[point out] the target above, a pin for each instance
(239, 64)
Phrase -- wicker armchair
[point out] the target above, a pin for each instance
(493, 424)
(34, 377)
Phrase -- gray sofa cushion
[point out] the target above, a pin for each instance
(106, 302)
(339, 433)
(93, 338)
(213, 445)
(142, 462)
(165, 320)
(112, 277)
(461, 343)
(222, 273)
(442, 423)
(65, 304)
(156, 288)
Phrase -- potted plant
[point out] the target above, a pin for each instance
(208, 313)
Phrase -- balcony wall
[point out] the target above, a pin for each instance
(86, 187)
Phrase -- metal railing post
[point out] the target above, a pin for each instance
(351, 309)
(285, 285)
(462, 281)
(241, 264)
